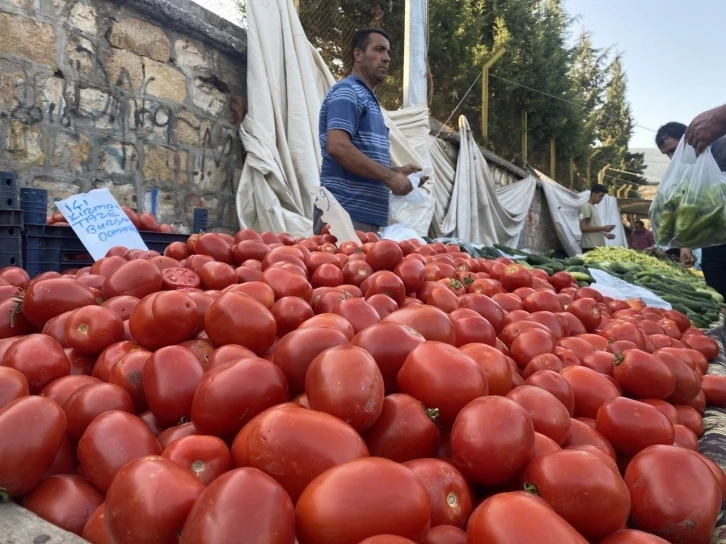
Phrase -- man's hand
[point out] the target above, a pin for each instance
(706, 128)
(411, 169)
(610, 236)
(687, 258)
(608, 228)
(398, 183)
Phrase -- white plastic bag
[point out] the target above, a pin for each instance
(398, 232)
(613, 287)
(412, 209)
(689, 209)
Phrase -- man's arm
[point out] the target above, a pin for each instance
(586, 227)
(706, 128)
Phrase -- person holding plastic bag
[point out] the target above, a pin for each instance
(354, 141)
(713, 257)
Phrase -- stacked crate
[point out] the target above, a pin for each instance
(11, 222)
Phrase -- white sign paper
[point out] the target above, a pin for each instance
(99, 222)
(335, 216)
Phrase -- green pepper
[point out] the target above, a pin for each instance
(687, 215)
(701, 231)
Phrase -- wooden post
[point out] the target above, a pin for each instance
(524, 136)
(485, 91)
(296, 3)
(552, 158)
(572, 173)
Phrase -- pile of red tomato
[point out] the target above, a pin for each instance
(295, 390)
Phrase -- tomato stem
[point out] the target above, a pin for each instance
(183, 420)
(619, 358)
(16, 310)
(531, 489)
(432, 413)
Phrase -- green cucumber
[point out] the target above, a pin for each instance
(543, 267)
(582, 277)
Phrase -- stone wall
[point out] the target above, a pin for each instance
(139, 96)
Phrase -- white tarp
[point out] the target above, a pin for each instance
(287, 81)
(471, 208)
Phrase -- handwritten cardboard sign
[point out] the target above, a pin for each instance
(99, 222)
(334, 215)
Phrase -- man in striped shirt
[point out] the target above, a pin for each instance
(356, 165)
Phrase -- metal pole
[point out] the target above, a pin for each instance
(414, 55)
(485, 91)
(524, 136)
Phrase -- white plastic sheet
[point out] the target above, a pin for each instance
(622, 290)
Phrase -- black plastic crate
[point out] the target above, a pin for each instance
(157, 241)
(35, 197)
(11, 218)
(9, 259)
(9, 199)
(201, 220)
(34, 217)
(10, 243)
(8, 180)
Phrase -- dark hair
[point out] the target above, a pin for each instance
(597, 188)
(670, 130)
(639, 222)
(361, 38)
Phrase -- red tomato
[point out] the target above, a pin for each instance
(384, 255)
(294, 353)
(631, 536)
(505, 518)
(175, 433)
(430, 322)
(714, 387)
(690, 417)
(514, 329)
(350, 503)
(90, 401)
(720, 476)
(67, 501)
(333, 321)
(595, 506)
(358, 312)
(486, 286)
(91, 329)
(164, 319)
(644, 375)
(591, 389)
(411, 272)
(445, 534)
(530, 343)
(582, 434)
(56, 327)
(15, 276)
(543, 361)
(587, 311)
(405, 430)
(543, 301)
(13, 385)
(661, 504)
(486, 307)
(685, 438)
(509, 302)
(666, 408)
(286, 283)
(345, 382)
(442, 376)
(206, 457)
(121, 306)
(135, 278)
(600, 361)
(235, 318)
(495, 366)
(230, 395)
(215, 246)
(514, 276)
(49, 298)
(295, 445)
(492, 440)
(701, 343)
(555, 384)
(447, 489)
(549, 416)
(33, 429)
(290, 313)
(543, 445)
(164, 494)
(39, 358)
(631, 426)
(170, 377)
(95, 530)
(245, 502)
(476, 329)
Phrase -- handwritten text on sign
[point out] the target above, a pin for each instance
(99, 222)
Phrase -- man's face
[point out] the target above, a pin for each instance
(374, 61)
(639, 227)
(597, 197)
(669, 147)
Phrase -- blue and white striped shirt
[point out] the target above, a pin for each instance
(351, 106)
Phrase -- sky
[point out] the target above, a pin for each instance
(672, 51)
(673, 55)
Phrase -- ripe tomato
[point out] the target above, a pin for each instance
(331, 320)
(578, 346)
(701, 343)
(549, 416)
(13, 385)
(595, 506)
(488, 287)
(495, 366)
(683, 509)
(470, 330)
(601, 362)
(67, 501)
(215, 246)
(258, 290)
(447, 489)
(644, 375)
(15, 276)
(345, 382)
(485, 307)
(295, 445)
(530, 343)
(360, 499)
(685, 438)
(290, 313)
(582, 434)
(445, 534)
(405, 430)
(590, 389)
(91, 329)
(231, 394)
(492, 440)
(135, 278)
(714, 387)
(666, 408)
(170, 377)
(245, 502)
(544, 445)
(441, 376)
(164, 319)
(690, 417)
(206, 457)
(514, 276)
(384, 255)
(294, 353)
(411, 271)
(95, 530)
(235, 318)
(430, 322)
(49, 298)
(517, 516)
(175, 433)
(55, 327)
(122, 306)
(631, 536)
(33, 429)
(90, 401)
(543, 301)
(164, 494)
(543, 361)
(286, 283)
(40, 358)
(587, 311)
(358, 312)
(110, 441)
(112, 355)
